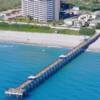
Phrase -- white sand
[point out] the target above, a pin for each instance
(46, 39)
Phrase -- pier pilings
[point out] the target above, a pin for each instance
(34, 81)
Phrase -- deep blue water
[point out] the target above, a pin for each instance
(79, 80)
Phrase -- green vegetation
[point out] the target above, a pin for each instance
(91, 5)
(26, 28)
(98, 26)
(30, 20)
(44, 29)
(33, 28)
(69, 32)
(83, 4)
(86, 31)
(9, 4)
(21, 19)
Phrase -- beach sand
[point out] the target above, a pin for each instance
(58, 40)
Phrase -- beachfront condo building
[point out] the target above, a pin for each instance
(41, 10)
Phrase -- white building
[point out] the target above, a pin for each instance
(41, 10)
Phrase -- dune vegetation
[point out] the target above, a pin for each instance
(9, 4)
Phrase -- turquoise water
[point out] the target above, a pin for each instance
(78, 80)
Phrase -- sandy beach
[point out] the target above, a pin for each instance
(59, 40)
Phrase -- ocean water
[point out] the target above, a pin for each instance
(79, 80)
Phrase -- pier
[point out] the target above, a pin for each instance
(34, 81)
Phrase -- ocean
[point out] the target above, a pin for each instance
(78, 80)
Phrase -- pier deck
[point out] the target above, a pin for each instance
(51, 69)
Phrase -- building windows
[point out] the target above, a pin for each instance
(41, 9)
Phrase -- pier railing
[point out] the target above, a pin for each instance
(34, 81)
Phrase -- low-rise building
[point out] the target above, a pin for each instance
(9, 14)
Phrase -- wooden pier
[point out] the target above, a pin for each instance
(34, 81)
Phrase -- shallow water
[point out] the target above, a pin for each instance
(79, 80)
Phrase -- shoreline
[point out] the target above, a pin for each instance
(46, 39)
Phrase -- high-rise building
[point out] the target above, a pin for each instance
(41, 10)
